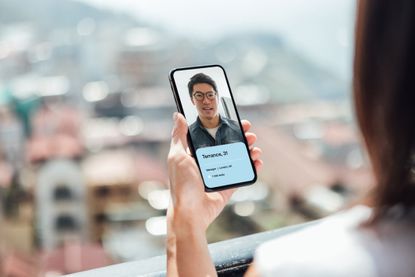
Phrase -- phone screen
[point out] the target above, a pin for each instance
(217, 140)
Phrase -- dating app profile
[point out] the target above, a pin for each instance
(214, 129)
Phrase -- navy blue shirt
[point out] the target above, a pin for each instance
(228, 132)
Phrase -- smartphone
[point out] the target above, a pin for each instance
(216, 137)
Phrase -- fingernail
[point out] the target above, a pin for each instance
(175, 116)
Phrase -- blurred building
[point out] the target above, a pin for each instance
(61, 204)
(12, 137)
(55, 133)
(14, 264)
(113, 179)
(73, 256)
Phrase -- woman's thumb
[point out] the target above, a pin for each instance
(179, 133)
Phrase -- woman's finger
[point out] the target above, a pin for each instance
(250, 138)
(255, 153)
(246, 125)
(258, 164)
(179, 135)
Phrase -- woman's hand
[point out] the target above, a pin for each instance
(190, 203)
(192, 209)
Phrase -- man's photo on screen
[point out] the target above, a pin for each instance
(210, 127)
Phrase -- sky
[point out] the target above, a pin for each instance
(322, 30)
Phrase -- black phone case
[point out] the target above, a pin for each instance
(189, 140)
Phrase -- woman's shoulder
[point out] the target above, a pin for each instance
(337, 246)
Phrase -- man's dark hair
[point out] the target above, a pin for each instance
(200, 78)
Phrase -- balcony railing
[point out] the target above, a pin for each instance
(231, 257)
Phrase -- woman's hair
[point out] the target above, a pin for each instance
(384, 93)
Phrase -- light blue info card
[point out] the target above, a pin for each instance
(225, 164)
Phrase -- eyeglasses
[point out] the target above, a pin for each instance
(200, 95)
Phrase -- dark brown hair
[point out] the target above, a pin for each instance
(200, 78)
(384, 93)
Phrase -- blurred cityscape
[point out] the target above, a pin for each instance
(85, 120)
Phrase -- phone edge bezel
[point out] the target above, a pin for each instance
(190, 143)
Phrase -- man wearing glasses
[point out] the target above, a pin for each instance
(210, 128)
